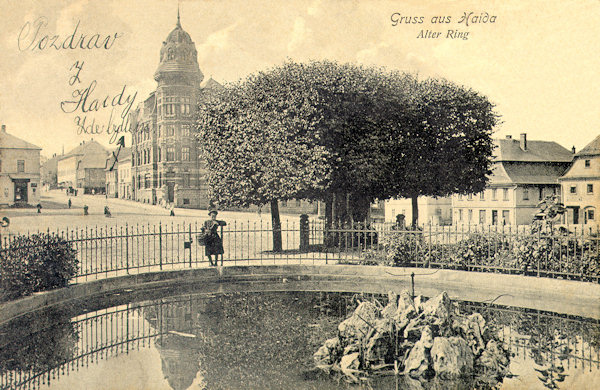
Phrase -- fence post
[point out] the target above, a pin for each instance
(127, 248)
(160, 245)
(304, 232)
(190, 241)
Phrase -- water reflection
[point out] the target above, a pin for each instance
(266, 341)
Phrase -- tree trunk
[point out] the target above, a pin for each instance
(328, 210)
(277, 246)
(415, 212)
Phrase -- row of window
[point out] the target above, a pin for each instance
(147, 182)
(168, 131)
(145, 156)
(20, 165)
(494, 192)
(526, 194)
(589, 189)
(483, 217)
(171, 105)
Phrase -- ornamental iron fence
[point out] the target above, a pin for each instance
(104, 252)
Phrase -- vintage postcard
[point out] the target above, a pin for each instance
(205, 194)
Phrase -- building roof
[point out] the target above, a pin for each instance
(125, 154)
(91, 147)
(526, 173)
(536, 151)
(591, 149)
(211, 84)
(92, 160)
(9, 141)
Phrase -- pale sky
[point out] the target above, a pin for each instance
(538, 62)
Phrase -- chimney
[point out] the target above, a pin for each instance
(4, 128)
(573, 149)
(509, 137)
(523, 141)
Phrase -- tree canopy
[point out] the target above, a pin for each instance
(322, 128)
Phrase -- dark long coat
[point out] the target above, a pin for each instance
(213, 242)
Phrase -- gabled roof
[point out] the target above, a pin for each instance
(91, 147)
(536, 151)
(125, 154)
(92, 160)
(526, 173)
(211, 84)
(591, 149)
(9, 141)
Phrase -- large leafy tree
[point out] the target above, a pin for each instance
(449, 149)
(342, 133)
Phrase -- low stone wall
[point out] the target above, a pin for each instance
(561, 296)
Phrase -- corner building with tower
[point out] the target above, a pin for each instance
(165, 162)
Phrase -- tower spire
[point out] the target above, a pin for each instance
(178, 20)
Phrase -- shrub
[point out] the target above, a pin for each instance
(36, 263)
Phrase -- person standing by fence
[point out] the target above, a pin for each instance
(213, 244)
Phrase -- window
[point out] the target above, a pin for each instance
(284, 203)
(185, 153)
(505, 217)
(482, 217)
(505, 193)
(170, 130)
(590, 214)
(482, 195)
(0, 165)
(460, 214)
(170, 105)
(158, 154)
(186, 201)
(298, 203)
(159, 130)
(590, 188)
(20, 165)
(470, 215)
(541, 194)
(186, 106)
(470, 197)
(573, 190)
(171, 154)
(459, 196)
(147, 181)
(494, 217)
(494, 193)
(185, 130)
(525, 194)
(587, 163)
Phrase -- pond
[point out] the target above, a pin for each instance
(176, 340)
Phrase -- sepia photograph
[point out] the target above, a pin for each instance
(301, 194)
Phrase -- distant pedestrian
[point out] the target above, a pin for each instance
(107, 212)
(69, 203)
(85, 210)
(39, 208)
(213, 244)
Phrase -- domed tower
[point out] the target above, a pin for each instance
(178, 60)
(177, 172)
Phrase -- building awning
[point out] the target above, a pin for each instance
(20, 177)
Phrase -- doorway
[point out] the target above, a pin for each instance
(21, 191)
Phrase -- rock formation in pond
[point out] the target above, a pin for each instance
(426, 341)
